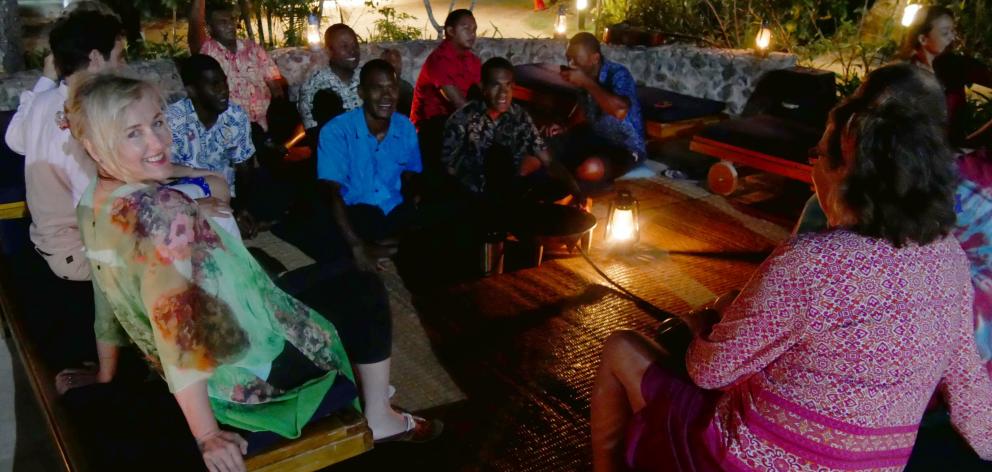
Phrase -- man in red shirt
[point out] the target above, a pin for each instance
(444, 82)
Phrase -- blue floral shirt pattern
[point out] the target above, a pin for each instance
(226, 143)
(629, 132)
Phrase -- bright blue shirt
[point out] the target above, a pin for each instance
(629, 132)
(368, 170)
(218, 149)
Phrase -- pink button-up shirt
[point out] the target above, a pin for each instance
(56, 167)
(247, 69)
(829, 356)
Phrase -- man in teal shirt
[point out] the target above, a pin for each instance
(367, 160)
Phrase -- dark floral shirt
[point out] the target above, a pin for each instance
(470, 132)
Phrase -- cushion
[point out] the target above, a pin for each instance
(766, 134)
(664, 106)
(543, 77)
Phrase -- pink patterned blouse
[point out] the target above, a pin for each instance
(829, 356)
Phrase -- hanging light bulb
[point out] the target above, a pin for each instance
(909, 13)
(763, 39)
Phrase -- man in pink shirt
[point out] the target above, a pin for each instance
(253, 78)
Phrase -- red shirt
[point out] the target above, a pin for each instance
(447, 65)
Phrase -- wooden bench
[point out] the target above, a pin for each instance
(323, 443)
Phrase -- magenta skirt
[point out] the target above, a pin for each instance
(670, 432)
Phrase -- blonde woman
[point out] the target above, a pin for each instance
(232, 347)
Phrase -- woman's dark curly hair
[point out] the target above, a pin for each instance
(901, 179)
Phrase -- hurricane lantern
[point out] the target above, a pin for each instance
(622, 226)
(909, 13)
(313, 31)
(763, 39)
(560, 23)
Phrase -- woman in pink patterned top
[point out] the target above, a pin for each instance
(827, 359)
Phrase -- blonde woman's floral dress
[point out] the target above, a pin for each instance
(199, 307)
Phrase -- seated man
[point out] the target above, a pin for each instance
(483, 132)
(212, 134)
(366, 159)
(609, 137)
(253, 78)
(444, 82)
(54, 274)
(405, 101)
(340, 77)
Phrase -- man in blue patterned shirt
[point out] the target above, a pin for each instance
(209, 132)
(610, 137)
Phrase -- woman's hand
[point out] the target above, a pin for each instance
(214, 207)
(223, 451)
(69, 379)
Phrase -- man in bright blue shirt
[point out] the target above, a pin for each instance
(367, 160)
(610, 138)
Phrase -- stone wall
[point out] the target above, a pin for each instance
(11, 49)
(717, 74)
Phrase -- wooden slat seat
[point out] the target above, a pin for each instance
(325, 442)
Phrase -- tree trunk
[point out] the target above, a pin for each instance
(430, 17)
(11, 48)
(246, 18)
(272, 32)
(258, 23)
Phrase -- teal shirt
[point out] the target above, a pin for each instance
(368, 170)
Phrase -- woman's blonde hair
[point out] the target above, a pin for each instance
(96, 109)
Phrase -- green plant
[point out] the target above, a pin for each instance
(390, 26)
(977, 110)
(170, 47)
(35, 59)
(974, 32)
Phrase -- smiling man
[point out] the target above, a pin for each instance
(211, 133)
(366, 159)
(494, 123)
(340, 78)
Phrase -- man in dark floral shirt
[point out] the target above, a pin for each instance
(488, 144)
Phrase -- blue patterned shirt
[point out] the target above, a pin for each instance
(226, 143)
(627, 133)
(368, 170)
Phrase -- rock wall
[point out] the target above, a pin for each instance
(11, 49)
(718, 74)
